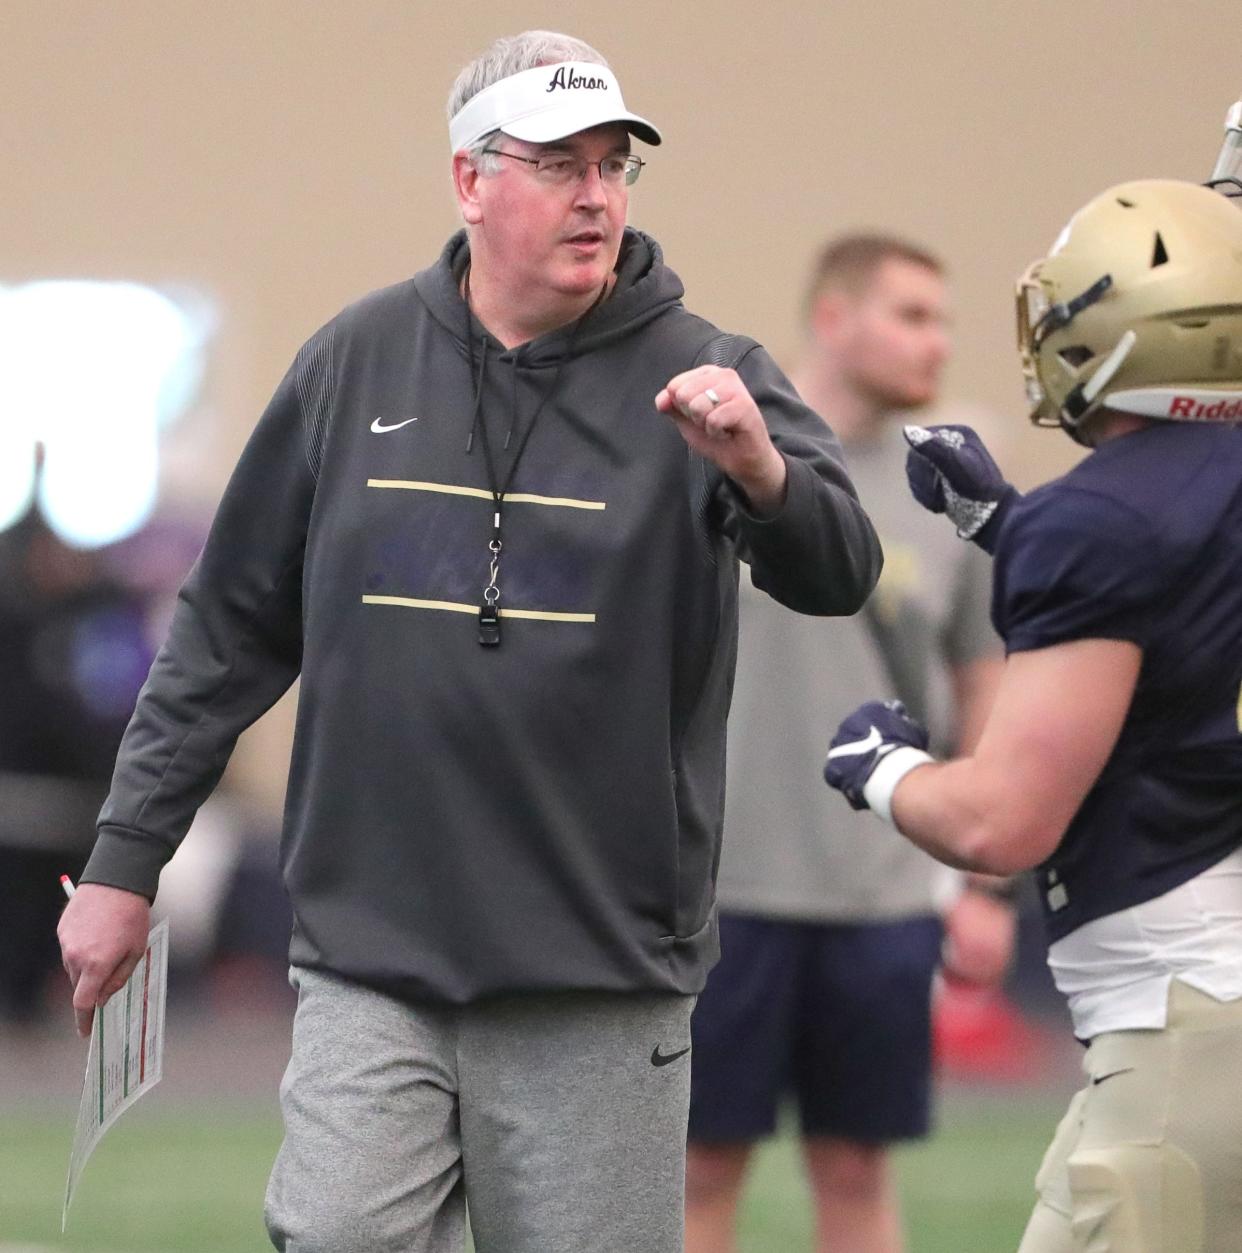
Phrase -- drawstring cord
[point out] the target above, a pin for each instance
(513, 397)
(478, 384)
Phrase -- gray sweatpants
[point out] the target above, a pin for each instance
(557, 1117)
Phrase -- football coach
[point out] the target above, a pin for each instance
(492, 517)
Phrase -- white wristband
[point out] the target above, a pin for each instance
(878, 790)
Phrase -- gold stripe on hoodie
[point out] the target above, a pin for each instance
(454, 606)
(452, 489)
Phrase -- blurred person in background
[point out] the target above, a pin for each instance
(830, 934)
(73, 654)
(492, 516)
(1112, 758)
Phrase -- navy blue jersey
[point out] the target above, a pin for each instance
(1142, 541)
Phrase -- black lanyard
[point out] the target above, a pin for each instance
(489, 610)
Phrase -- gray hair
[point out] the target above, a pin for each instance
(511, 54)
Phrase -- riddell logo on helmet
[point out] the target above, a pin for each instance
(1188, 407)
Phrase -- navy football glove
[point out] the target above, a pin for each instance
(877, 732)
(950, 471)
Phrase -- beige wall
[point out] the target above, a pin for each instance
(287, 155)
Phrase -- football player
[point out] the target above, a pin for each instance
(1112, 759)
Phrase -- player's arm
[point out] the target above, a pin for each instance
(1004, 808)
(1072, 593)
(974, 685)
(1056, 718)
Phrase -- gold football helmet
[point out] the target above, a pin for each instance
(1137, 307)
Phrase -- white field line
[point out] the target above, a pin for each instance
(32, 1248)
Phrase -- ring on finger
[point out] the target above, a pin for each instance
(711, 395)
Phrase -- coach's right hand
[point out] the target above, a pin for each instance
(103, 935)
(950, 471)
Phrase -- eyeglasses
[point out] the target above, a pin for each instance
(562, 169)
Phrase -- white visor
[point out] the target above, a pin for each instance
(547, 103)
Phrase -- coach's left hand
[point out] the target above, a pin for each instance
(719, 419)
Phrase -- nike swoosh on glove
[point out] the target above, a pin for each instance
(950, 471)
(864, 740)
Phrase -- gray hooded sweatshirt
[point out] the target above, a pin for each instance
(462, 820)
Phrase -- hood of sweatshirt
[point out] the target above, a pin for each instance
(645, 288)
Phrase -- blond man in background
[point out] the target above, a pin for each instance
(831, 927)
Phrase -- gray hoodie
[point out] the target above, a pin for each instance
(462, 820)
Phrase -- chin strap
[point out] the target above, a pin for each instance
(1075, 405)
